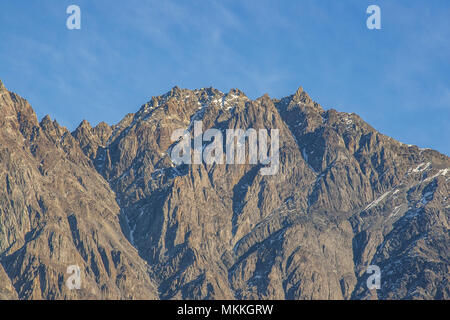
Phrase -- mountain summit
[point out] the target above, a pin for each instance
(109, 200)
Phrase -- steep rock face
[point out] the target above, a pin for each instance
(225, 231)
(7, 291)
(110, 199)
(57, 211)
(90, 139)
(395, 197)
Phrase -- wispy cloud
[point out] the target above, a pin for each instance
(128, 51)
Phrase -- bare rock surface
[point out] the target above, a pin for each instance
(109, 199)
(57, 211)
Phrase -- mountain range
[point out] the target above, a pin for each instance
(110, 200)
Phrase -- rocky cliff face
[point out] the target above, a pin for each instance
(56, 211)
(110, 200)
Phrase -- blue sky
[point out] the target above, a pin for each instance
(396, 78)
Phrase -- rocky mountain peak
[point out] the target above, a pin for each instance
(46, 121)
(175, 92)
(236, 92)
(110, 199)
(301, 96)
(48, 124)
(300, 91)
(84, 125)
(102, 126)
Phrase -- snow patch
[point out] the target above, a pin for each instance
(422, 167)
(441, 172)
(377, 201)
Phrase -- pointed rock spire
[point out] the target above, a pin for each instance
(175, 91)
(301, 94)
(236, 92)
(83, 129)
(46, 121)
(85, 125)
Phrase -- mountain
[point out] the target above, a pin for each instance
(110, 200)
(56, 211)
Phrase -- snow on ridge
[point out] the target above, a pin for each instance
(442, 172)
(395, 211)
(377, 201)
(422, 167)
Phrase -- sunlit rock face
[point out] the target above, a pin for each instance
(110, 200)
